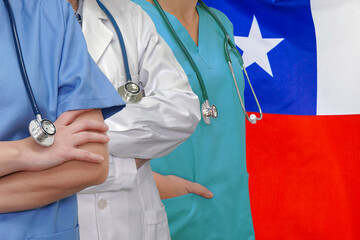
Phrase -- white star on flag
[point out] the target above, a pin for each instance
(255, 48)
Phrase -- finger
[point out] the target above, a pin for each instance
(83, 155)
(200, 190)
(87, 125)
(68, 117)
(89, 137)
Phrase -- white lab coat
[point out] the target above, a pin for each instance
(127, 206)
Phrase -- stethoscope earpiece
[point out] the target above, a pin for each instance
(130, 92)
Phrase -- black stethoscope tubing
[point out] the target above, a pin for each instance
(21, 59)
(42, 130)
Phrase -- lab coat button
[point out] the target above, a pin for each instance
(154, 38)
(102, 203)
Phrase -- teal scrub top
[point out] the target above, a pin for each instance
(63, 77)
(214, 155)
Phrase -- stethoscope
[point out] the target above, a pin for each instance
(42, 130)
(208, 111)
(130, 91)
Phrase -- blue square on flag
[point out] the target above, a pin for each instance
(278, 43)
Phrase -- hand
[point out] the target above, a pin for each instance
(68, 137)
(140, 162)
(171, 186)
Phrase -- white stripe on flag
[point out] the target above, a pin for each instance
(337, 26)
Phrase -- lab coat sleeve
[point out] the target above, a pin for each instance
(169, 112)
(122, 176)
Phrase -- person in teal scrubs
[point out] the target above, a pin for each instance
(214, 156)
(63, 77)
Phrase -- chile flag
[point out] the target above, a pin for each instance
(304, 156)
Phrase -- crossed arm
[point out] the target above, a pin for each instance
(30, 188)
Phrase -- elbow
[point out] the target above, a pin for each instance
(95, 173)
(101, 172)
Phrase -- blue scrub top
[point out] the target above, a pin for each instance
(214, 155)
(63, 77)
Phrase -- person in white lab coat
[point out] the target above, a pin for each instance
(128, 206)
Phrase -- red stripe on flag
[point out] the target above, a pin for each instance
(304, 181)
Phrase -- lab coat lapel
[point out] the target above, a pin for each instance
(97, 35)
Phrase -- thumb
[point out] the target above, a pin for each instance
(200, 190)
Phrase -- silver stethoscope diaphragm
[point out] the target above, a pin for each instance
(208, 112)
(43, 131)
(130, 92)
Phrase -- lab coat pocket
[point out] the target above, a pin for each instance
(156, 226)
(72, 234)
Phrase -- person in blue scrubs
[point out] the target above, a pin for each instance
(214, 156)
(63, 77)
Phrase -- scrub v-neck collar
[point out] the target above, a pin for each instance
(184, 34)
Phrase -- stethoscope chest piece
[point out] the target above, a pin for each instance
(130, 92)
(208, 112)
(43, 131)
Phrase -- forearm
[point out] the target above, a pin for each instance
(27, 190)
(17, 155)
(9, 158)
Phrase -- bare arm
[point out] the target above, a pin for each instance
(9, 158)
(27, 190)
(25, 155)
